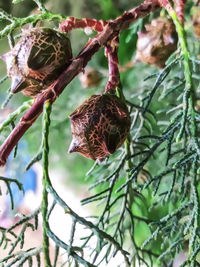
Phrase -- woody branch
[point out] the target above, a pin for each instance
(110, 31)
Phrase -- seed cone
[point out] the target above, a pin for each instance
(157, 42)
(37, 59)
(90, 77)
(99, 126)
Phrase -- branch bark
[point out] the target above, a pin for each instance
(110, 31)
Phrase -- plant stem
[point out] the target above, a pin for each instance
(188, 107)
(12, 117)
(188, 97)
(46, 181)
(188, 102)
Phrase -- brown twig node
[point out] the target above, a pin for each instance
(110, 31)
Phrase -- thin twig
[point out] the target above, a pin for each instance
(46, 181)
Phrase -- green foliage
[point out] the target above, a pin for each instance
(145, 198)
